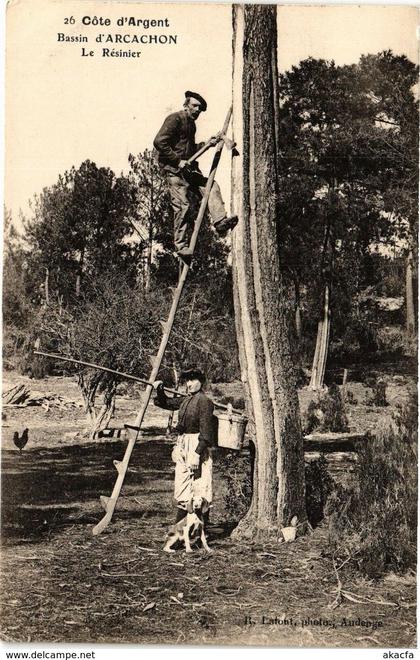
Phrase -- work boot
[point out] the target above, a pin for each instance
(222, 227)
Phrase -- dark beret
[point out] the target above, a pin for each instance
(196, 96)
(192, 374)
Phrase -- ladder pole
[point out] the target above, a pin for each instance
(121, 374)
(92, 365)
(211, 177)
(123, 465)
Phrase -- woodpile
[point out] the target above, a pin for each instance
(15, 395)
(21, 396)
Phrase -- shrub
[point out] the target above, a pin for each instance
(357, 336)
(236, 402)
(217, 393)
(375, 523)
(319, 486)
(327, 413)
(378, 386)
(35, 366)
(351, 398)
(18, 352)
(234, 469)
(394, 339)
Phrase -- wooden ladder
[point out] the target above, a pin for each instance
(134, 431)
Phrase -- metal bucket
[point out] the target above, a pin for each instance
(231, 432)
(289, 533)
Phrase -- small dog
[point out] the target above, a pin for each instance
(192, 524)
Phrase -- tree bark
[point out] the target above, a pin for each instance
(47, 286)
(324, 325)
(79, 274)
(298, 311)
(321, 347)
(97, 419)
(315, 362)
(262, 328)
(149, 246)
(148, 255)
(88, 386)
(106, 412)
(409, 297)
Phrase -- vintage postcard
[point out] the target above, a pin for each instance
(210, 325)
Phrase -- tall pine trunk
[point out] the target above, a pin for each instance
(262, 326)
(298, 311)
(47, 286)
(79, 273)
(409, 297)
(149, 247)
(148, 266)
(322, 342)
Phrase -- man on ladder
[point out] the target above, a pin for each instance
(175, 144)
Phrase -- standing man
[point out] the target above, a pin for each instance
(175, 144)
(197, 437)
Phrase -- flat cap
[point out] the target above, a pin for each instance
(196, 96)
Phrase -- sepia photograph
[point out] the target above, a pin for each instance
(210, 288)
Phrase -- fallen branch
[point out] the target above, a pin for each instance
(123, 575)
(365, 600)
(372, 639)
(339, 598)
(352, 597)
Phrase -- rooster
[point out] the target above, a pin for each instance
(20, 441)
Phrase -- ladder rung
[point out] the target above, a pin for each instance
(108, 433)
(131, 427)
(133, 432)
(119, 466)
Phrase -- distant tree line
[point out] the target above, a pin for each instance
(348, 161)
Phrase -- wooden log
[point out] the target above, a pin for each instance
(326, 438)
(333, 457)
(333, 442)
(15, 395)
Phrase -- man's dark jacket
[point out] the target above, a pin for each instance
(175, 141)
(195, 416)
